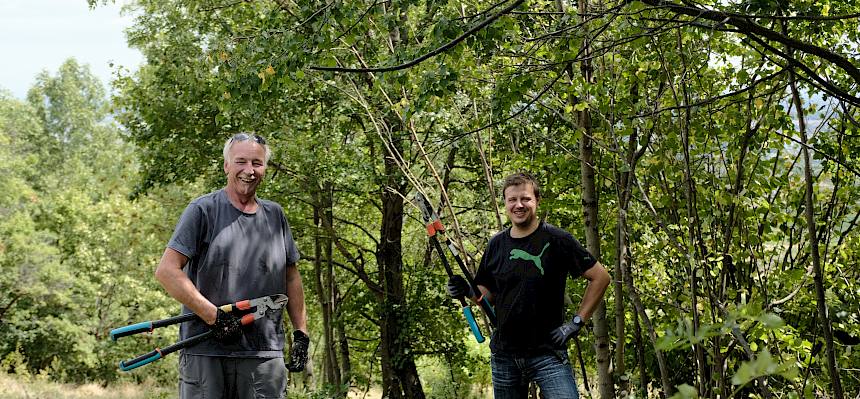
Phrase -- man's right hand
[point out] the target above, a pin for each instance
(227, 327)
(458, 287)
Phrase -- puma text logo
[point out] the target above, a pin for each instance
(517, 253)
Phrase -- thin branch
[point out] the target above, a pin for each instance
(551, 13)
(521, 110)
(714, 99)
(793, 62)
(586, 19)
(361, 17)
(823, 154)
(360, 227)
(223, 6)
(487, 11)
(751, 28)
(315, 14)
(429, 55)
(15, 298)
(796, 17)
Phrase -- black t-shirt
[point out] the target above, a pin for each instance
(527, 278)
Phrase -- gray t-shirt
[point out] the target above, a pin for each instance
(234, 256)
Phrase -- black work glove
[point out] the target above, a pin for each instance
(227, 327)
(566, 331)
(299, 352)
(458, 287)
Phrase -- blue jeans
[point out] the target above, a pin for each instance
(551, 371)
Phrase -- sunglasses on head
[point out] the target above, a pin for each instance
(245, 137)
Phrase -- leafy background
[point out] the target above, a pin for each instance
(673, 144)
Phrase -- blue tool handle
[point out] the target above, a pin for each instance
(140, 360)
(117, 333)
(470, 317)
(489, 310)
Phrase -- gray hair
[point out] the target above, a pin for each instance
(243, 136)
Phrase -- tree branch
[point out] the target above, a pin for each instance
(793, 62)
(711, 100)
(429, 55)
(223, 6)
(849, 168)
(749, 27)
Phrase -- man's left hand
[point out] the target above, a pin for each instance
(299, 352)
(566, 331)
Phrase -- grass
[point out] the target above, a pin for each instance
(14, 386)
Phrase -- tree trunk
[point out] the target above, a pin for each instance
(622, 259)
(640, 354)
(400, 376)
(323, 280)
(342, 343)
(592, 239)
(634, 295)
(695, 240)
(618, 286)
(818, 276)
(640, 310)
(590, 208)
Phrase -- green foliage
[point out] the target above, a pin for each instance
(718, 192)
(518, 81)
(763, 365)
(685, 391)
(76, 253)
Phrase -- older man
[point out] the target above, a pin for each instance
(228, 246)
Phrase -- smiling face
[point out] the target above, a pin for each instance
(245, 167)
(521, 206)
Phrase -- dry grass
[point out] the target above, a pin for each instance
(26, 387)
(18, 387)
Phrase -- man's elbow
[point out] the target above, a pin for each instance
(171, 262)
(600, 278)
(161, 274)
(606, 279)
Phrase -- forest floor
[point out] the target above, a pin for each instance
(21, 387)
(27, 387)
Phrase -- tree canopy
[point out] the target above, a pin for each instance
(704, 150)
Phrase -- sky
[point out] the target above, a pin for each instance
(38, 35)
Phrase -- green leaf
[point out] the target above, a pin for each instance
(685, 391)
(771, 320)
(763, 365)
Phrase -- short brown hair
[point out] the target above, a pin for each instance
(521, 178)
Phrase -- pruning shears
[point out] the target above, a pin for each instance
(434, 225)
(260, 307)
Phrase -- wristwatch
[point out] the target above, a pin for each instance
(578, 321)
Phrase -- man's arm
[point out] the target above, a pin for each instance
(170, 275)
(296, 303)
(598, 279)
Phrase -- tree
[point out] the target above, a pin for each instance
(684, 104)
(78, 249)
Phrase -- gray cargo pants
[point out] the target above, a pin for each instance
(207, 377)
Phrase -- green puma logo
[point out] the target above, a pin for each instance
(517, 253)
